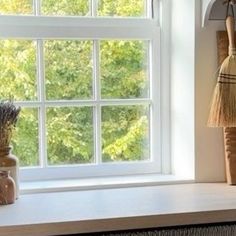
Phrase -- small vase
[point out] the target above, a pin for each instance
(7, 188)
(9, 162)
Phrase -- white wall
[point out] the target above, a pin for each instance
(209, 163)
(193, 67)
(182, 87)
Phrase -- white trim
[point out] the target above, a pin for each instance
(44, 27)
(83, 184)
(156, 98)
(97, 94)
(42, 108)
(89, 170)
(37, 7)
(75, 27)
(165, 51)
(104, 102)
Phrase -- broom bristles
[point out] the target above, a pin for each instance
(223, 107)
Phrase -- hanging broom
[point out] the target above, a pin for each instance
(223, 108)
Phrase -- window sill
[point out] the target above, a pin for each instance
(101, 183)
(118, 209)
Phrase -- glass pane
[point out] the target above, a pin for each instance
(124, 69)
(70, 135)
(19, 7)
(125, 133)
(65, 7)
(122, 8)
(68, 69)
(25, 139)
(18, 69)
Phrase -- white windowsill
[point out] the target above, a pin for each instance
(118, 209)
(101, 183)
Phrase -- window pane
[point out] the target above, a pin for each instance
(68, 69)
(133, 8)
(18, 69)
(125, 133)
(124, 69)
(65, 7)
(70, 135)
(21, 7)
(25, 139)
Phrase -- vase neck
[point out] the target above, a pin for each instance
(4, 174)
(4, 151)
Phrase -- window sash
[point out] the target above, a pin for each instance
(38, 27)
(31, 27)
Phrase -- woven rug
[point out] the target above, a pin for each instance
(224, 229)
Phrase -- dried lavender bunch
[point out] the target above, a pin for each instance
(9, 114)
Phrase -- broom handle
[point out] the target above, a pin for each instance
(230, 30)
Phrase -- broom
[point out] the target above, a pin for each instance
(223, 107)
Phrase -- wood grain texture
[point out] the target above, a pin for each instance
(229, 133)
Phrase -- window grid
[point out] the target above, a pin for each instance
(96, 102)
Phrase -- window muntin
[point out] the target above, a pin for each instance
(144, 34)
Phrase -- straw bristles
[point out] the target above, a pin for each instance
(223, 107)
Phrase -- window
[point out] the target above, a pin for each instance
(87, 76)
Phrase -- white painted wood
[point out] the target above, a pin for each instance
(44, 27)
(42, 107)
(118, 209)
(79, 184)
(165, 93)
(182, 72)
(76, 27)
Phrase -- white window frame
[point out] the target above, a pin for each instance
(44, 27)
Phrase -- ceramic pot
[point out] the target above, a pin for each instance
(9, 162)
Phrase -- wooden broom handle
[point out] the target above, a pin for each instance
(230, 30)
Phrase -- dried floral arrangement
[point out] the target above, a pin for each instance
(9, 114)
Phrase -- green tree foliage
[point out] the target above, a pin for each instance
(121, 8)
(69, 75)
(21, 7)
(65, 7)
(70, 135)
(68, 69)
